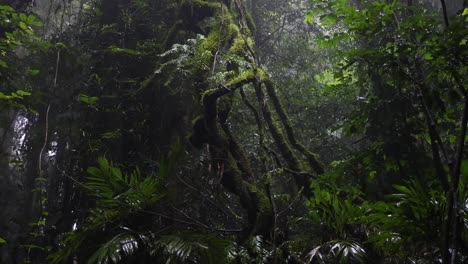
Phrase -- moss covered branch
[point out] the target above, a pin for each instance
(229, 159)
(311, 157)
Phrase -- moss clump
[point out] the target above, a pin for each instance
(238, 47)
(223, 32)
(232, 30)
(211, 42)
(261, 74)
(245, 77)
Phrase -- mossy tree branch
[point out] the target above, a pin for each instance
(281, 143)
(261, 131)
(231, 163)
(311, 157)
(227, 157)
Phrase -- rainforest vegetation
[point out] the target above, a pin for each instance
(233, 131)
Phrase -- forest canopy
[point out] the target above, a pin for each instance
(233, 131)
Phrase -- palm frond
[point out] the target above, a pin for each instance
(196, 247)
(124, 244)
(119, 197)
(114, 189)
(338, 251)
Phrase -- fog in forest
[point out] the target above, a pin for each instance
(233, 131)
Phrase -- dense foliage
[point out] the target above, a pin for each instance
(261, 131)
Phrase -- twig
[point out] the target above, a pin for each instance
(74, 180)
(190, 218)
(56, 68)
(359, 140)
(215, 59)
(191, 223)
(45, 141)
(206, 196)
(298, 196)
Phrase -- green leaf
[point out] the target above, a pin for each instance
(464, 168)
(3, 64)
(23, 93)
(23, 25)
(2, 241)
(402, 189)
(6, 8)
(309, 18)
(328, 20)
(90, 100)
(33, 72)
(113, 250)
(428, 56)
(388, 10)
(465, 12)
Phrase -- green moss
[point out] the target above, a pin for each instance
(288, 153)
(284, 118)
(197, 120)
(263, 201)
(238, 47)
(229, 31)
(264, 214)
(211, 42)
(218, 23)
(232, 30)
(278, 137)
(250, 22)
(205, 94)
(224, 107)
(243, 78)
(199, 135)
(127, 52)
(232, 180)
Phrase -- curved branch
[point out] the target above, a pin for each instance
(233, 168)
